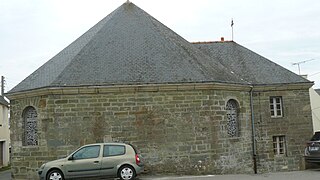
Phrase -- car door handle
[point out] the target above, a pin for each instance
(95, 162)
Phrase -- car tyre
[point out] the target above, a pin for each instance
(55, 174)
(126, 173)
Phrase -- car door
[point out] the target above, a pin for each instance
(86, 162)
(113, 155)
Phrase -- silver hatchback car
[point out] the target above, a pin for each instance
(95, 160)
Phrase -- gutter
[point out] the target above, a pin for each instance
(254, 146)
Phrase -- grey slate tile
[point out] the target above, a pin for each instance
(249, 65)
(131, 47)
(127, 47)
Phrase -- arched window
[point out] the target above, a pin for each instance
(30, 136)
(232, 108)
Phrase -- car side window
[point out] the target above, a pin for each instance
(113, 150)
(87, 152)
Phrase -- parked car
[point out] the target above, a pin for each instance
(95, 160)
(312, 151)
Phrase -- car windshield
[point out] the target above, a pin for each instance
(316, 136)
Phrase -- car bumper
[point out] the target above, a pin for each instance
(312, 159)
(139, 169)
(41, 174)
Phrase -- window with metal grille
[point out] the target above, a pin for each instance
(276, 106)
(279, 145)
(30, 127)
(232, 108)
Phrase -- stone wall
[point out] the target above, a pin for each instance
(178, 131)
(295, 125)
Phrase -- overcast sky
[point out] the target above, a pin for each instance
(284, 31)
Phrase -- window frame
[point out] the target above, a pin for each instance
(273, 105)
(279, 145)
(108, 145)
(25, 141)
(237, 120)
(75, 158)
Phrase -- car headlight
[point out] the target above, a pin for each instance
(306, 151)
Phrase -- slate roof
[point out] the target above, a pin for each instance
(127, 47)
(318, 91)
(249, 65)
(3, 101)
(131, 47)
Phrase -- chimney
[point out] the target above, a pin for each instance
(222, 39)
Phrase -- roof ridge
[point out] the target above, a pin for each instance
(128, 46)
(102, 22)
(174, 38)
(210, 42)
(75, 48)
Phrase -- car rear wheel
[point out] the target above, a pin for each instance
(127, 173)
(55, 175)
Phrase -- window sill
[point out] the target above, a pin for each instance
(30, 147)
(238, 138)
(280, 156)
(276, 117)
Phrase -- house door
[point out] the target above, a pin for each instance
(1, 154)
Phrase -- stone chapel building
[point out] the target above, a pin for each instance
(190, 108)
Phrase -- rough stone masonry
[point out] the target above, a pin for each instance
(178, 129)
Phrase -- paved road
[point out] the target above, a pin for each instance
(295, 175)
(5, 175)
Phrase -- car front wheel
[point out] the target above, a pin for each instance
(55, 175)
(127, 173)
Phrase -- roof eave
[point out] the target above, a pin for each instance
(4, 102)
(283, 86)
(102, 89)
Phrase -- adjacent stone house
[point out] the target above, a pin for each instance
(191, 108)
(315, 108)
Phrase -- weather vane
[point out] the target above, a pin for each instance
(232, 29)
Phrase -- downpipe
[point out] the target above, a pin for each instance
(254, 147)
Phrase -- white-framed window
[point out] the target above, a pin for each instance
(279, 145)
(276, 106)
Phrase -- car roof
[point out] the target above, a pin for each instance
(107, 143)
(316, 136)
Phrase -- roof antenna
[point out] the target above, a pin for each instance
(298, 64)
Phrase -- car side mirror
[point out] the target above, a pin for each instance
(70, 158)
